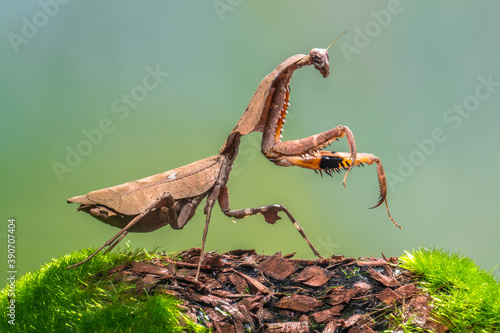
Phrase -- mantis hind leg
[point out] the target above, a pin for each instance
(211, 199)
(113, 241)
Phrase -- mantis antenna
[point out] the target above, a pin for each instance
(342, 34)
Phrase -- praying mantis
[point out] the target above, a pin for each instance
(172, 197)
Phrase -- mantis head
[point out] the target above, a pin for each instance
(319, 58)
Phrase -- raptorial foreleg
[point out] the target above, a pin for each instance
(336, 161)
(290, 153)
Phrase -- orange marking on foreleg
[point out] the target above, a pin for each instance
(337, 161)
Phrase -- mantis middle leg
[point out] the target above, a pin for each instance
(270, 214)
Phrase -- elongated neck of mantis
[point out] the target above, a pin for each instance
(231, 146)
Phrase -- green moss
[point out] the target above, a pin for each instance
(54, 299)
(466, 297)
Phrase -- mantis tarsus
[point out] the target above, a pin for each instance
(172, 197)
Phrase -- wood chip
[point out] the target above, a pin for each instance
(365, 321)
(185, 264)
(212, 284)
(373, 263)
(314, 276)
(305, 318)
(394, 260)
(300, 303)
(264, 314)
(247, 317)
(331, 327)
(287, 327)
(217, 262)
(238, 281)
(388, 296)
(234, 311)
(251, 302)
(225, 294)
(328, 314)
(259, 286)
(352, 320)
(354, 330)
(225, 328)
(277, 267)
(407, 290)
(362, 288)
(185, 272)
(385, 280)
(340, 295)
(215, 316)
(338, 260)
(207, 299)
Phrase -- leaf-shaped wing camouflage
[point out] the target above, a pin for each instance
(134, 197)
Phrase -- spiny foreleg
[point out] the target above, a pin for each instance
(337, 161)
(293, 152)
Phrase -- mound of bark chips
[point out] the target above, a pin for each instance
(242, 291)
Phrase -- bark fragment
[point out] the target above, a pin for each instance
(328, 314)
(314, 276)
(384, 279)
(277, 267)
(298, 303)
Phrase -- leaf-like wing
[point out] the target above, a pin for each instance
(134, 197)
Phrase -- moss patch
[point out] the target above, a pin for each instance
(466, 298)
(54, 299)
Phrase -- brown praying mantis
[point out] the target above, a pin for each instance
(172, 197)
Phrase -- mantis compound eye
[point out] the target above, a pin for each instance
(319, 58)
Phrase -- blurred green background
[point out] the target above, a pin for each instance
(408, 79)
